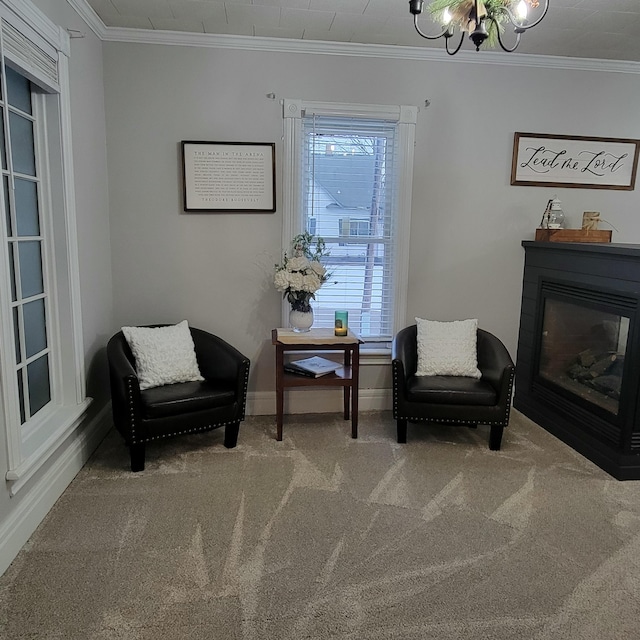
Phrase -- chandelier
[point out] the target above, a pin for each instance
(483, 20)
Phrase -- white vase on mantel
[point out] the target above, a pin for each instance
(301, 321)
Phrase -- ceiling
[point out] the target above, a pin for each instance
(605, 29)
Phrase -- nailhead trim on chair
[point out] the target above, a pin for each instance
(246, 385)
(504, 422)
(194, 430)
(131, 411)
(450, 421)
(394, 368)
(508, 408)
(177, 433)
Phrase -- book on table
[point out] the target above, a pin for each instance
(312, 367)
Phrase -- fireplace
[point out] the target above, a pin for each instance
(582, 350)
(578, 344)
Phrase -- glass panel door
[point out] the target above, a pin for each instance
(24, 236)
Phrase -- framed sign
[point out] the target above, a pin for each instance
(229, 176)
(544, 160)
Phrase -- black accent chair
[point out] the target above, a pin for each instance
(181, 408)
(450, 399)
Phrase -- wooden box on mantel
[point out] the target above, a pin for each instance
(573, 235)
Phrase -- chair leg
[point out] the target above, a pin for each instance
(231, 435)
(495, 437)
(402, 431)
(137, 457)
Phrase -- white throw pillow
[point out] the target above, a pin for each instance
(164, 355)
(448, 348)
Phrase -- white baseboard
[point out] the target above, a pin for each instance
(38, 499)
(260, 403)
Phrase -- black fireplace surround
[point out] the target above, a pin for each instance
(578, 362)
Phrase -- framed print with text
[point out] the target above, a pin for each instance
(545, 160)
(229, 176)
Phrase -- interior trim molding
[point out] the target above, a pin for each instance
(36, 19)
(355, 49)
(71, 229)
(91, 18)
(41, 496)
(70, 419)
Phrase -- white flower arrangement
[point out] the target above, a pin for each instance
(302, 274)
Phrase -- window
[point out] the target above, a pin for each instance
(25, 239)
(353, 227)
(348, 179)
(41, 369)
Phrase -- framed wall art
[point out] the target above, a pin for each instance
(545, 160)
(229, 176)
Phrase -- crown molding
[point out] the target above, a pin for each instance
(353, 49)
(91, 18)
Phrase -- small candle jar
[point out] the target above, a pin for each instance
(342, 323)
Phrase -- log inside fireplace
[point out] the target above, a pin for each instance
(582, 349)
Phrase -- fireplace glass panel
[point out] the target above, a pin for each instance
(583, 351)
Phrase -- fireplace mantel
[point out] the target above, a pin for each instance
(579, 341)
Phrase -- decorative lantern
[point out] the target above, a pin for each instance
(556, 215)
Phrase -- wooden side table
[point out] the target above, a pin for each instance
(319, 340)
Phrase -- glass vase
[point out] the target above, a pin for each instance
(301, 321)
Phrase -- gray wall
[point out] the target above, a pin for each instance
(467, 221)
(91, 192)
(20, 514)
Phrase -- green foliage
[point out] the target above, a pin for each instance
(495, 9)
(303, 245)
(492, 6)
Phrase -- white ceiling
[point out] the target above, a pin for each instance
(605, 29)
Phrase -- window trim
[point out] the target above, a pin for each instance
(406, 117)
(68, 402)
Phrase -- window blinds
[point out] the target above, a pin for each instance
(31, 54)
(349, 171)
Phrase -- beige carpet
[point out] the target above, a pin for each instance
(321, 536)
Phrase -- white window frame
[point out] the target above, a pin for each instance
(39, 50)
(405, 117)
